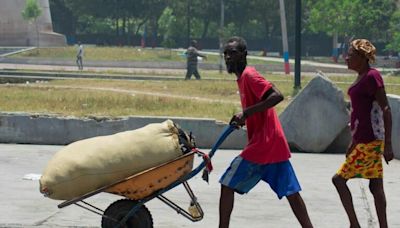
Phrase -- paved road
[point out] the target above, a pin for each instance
(23, 206)
(281, 60)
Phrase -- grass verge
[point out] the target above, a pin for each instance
(94, 97)
(94, 53)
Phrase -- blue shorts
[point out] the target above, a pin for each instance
(242, 176)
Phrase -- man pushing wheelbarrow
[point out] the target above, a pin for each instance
(266, 155)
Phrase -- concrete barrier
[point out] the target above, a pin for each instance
(316, 116)
(394, 102)
(341, 142)
(51, 129)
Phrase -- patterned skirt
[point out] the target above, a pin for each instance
(364, 161)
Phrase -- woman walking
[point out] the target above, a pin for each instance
(371, 126)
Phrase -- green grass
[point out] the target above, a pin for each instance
(94, 97)
(104, 53)
(93, 53)
(216, 90)
(81, 103)
(392, 83)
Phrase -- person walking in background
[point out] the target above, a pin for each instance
(191, 54)
(79, 56)
(266, 155)
(371, 127)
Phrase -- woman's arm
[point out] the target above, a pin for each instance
(381, 98)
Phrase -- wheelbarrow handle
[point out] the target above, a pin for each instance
(226, 132)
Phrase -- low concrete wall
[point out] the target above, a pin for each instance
(51, 129)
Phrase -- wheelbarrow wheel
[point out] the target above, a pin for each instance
(119, 209)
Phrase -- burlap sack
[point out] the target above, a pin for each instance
(89, 164)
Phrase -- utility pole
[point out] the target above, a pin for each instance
(188, 23)
(221, 37)
(297, 65)
(284, 37)
(335, 50)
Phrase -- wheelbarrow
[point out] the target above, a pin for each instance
(149, 184)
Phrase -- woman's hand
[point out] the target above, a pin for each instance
(350, 149)
(388, 153)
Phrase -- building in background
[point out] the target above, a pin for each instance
(15, 31)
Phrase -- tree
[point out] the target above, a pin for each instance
(394, 33)
(361, 18)
(256, 20)
(123, 17)
(204, 13)
(30, 13)
(64, 20)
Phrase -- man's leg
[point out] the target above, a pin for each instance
(189, 72)
(347, 200)
(376, 188)
(79, 63)
(281, 177)
(225, 206)
(299, 209)
(196, 73)
(240, 177)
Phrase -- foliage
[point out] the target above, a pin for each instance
(126, 15)
(168, 26)
(63, 18)
(394, 31)
(31, 11)
(259, 20)
(360, 18)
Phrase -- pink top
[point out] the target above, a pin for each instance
(266, 140)
(366, 115)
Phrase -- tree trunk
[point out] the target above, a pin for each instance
(154, 33)
(123, 26)
(267, 36)
(139, 26)
(117, 26)
(37, 35)
(124, 34)
(205, 28)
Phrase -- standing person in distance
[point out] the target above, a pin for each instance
(371, 128)
(191, 54)
(79, 56)
(266, 155)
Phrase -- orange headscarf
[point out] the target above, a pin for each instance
(364, 47)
